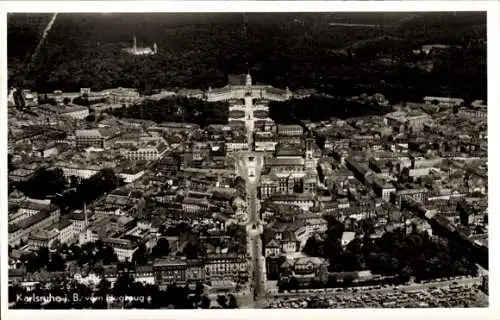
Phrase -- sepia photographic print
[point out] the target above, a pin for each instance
(246, 160)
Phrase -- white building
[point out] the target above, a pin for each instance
(71, 111)
(142, 148)
(84, 171)
(88, 235)
(80, 220)
(76, 112)
(241, 86)
(265, 141)
(290, 130)
(444, 101)
(347, 237)
(144, 51)
(66, 231)
(304, 201)
(247, 97)
(124, 249)
(88, 279)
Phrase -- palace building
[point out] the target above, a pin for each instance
(247, 102)
(240, 87)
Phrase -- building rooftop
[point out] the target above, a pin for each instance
(63, 224)
(348, 236)
(286, 162)
(236, 79)
(44, 235)
(97, 133)
(292, 197)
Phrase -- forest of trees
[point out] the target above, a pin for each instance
(181, 109)
(43, 259)
(88, 190)
(143, 256)
(395, 253)
(319, 108)
(199, 51)
(44, 183)
(91, 253)
(235, 243)
(178, 109)
(52, 184)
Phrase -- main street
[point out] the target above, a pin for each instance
(249, 167)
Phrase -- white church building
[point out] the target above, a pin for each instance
(138, 51)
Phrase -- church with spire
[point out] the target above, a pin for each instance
(141, 51)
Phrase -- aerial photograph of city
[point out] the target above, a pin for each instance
(264, 160)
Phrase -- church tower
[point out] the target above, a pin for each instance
(309, 147)
(288, 93)
(85, 215)
(11, 99)
(155, 48)
(248, 81)
(135, 45)
(310, 163)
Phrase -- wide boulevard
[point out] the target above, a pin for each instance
(249, 167)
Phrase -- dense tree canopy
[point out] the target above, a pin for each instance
(238, 235)
(240, 185)
(146, 296)
(178, 109)
(193, 250)
(46, 183)
(140, 256)
(82, 101)
(91, 253)
(43, 183)
(43, 259)
(44, 99)
(161, 249)
(89, 189)
(395, 253)
(318, 108)
(10, 165)
(198, 51)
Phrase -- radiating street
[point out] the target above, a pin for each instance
(249, 167)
